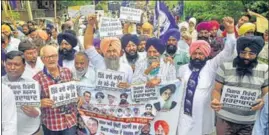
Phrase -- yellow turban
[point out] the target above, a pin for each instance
(245, 28)
(147, 25)
(110, 41)
(6, 28)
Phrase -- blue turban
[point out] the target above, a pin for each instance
(171, 32)
(129, 37)
(156, 43)
(71, 39)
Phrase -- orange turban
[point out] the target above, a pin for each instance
(110, 41)
(202, 45)
(42, 34)
(6, 28)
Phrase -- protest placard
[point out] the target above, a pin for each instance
(63, 93)
(26, 93)
(262, 24)
(108, 80)
(130, 14)
(238, 97)
(86, 10)
(143, 93)
(163, 123)
(73, 11)
(110, 27)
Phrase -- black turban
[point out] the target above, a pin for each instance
(172, 87)
(255, 43)
(129, 37)
(70, 38)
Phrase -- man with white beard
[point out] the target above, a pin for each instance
(111, 49)
(153, 70)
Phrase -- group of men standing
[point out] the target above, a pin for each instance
(204, 61)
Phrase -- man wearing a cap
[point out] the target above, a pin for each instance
(13, 43)
(129, 44)
(33, 63)
(245, 75)
(67, 42)
(196, 116)
(153, 70)
(172, 52)
(111, 50)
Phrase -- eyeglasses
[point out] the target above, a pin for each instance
(50, 57)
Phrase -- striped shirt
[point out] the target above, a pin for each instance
(226, 75)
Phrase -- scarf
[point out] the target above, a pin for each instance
(191, 88)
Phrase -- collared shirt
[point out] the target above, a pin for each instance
(32, 123)
(99, 63)
(167, 72)
(51, 117)
(261, 124)
(13, 45)
(9, 112)
(29, 72)
(88, 79)
(180, 58)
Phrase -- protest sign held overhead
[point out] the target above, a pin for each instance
(110, 27)
(26, 93)
(108, 80)
(239, 98)
(63, 93)
(142, 93)
(86, 10)
(74, 11)
(130, 14)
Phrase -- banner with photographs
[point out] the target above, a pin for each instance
(238, 97)
(26, 93)
(63, 93)
(116, 113)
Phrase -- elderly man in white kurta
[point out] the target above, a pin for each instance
(196, 116)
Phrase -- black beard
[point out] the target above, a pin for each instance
(196, 63)
(243, 69)
(67, 54)
(204, 38)
(171, 49)
(131, 57)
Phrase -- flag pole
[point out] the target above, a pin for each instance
(29, 10)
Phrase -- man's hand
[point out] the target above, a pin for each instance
(169, 59)
(153, 82)
(30, 111)
(46, 103)
(258, 106)
(92, 20)
(123, 85)
(216, 105)
(81, 101)
(154, 65)
(229, 24)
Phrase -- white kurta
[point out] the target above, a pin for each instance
(202, 120)
(29, 72)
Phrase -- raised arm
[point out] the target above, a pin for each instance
(228, 50)
(88, 36)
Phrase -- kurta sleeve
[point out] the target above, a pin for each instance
(95, 58)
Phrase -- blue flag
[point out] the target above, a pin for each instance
(166, 20)
(180, 9)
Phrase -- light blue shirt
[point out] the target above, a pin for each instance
(261, 124)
